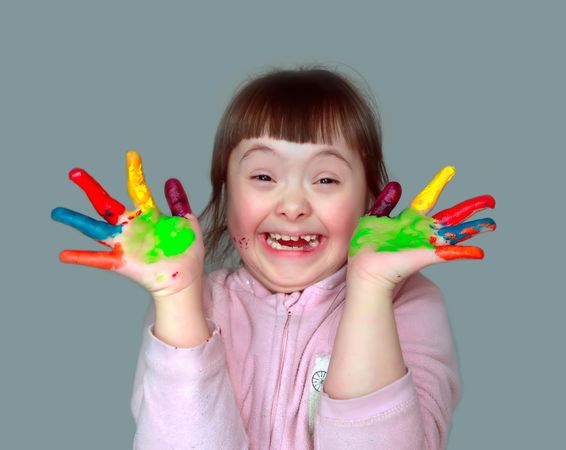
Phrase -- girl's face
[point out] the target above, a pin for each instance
(276, 187)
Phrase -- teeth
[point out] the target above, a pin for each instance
(306, 237)
(313, 242)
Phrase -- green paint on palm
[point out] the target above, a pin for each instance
(408, 230)
(152, 236)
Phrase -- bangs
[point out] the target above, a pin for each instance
(294, 106)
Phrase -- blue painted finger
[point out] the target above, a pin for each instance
(458, 233)
(94, 229)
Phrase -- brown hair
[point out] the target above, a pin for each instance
(307, 104)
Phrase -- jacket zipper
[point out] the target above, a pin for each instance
(281, 360)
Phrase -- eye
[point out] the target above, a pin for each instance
(262, 177)
(328, 181)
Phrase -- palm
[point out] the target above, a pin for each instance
(387, 249)
(156, 250)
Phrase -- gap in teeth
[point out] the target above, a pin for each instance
(313, 241)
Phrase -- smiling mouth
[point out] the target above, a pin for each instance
(293, 243)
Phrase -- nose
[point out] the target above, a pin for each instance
(294, 204)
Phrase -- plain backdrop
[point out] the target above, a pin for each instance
(478, 85)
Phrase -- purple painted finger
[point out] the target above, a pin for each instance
(177, 198)
(386, 200)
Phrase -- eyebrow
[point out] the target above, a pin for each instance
(264, 148)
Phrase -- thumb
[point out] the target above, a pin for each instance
(421, 258)
(195, 225)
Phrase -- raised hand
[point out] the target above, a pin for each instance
(164, 254)
(386, 250)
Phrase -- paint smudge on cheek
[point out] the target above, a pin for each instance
(241, 242)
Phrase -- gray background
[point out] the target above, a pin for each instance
(479, 86)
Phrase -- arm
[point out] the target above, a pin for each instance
(182, 397)
(180, 319)
(388, 406)
(414, 410)
(367, 317)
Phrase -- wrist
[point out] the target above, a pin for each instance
(366, 301)
(371, 288)
(192, 290)
(179, 317)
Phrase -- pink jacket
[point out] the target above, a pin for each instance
(257, 383)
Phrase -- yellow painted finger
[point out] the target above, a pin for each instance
(137, 188)
(426, 199)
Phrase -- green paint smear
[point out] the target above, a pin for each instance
(408, 230)
(152, 236)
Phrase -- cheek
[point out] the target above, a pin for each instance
(344, 227)
(342, 217)
(243, 219)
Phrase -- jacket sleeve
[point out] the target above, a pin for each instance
(414, 412)
(182, 397)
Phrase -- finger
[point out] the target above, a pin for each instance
(137, 188)
(95, 229)
(461, 211)
(449, 252)
(386, 200)
(464, 231)
(177, 198)
(101, 260)
(105, 205)
(426, 199)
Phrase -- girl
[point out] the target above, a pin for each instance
(325, 336)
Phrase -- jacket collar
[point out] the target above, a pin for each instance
(322, 287)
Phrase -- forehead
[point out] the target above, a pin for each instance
(250, 149)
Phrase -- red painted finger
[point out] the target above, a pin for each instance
(101, 260)
(177, 198)
(450, 252)
(105, 205)
(386, 200)
(461, 211)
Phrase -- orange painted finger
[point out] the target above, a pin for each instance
(137, 187)
(101, 260)
(450, 252)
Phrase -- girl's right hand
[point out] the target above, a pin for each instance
(162, 253)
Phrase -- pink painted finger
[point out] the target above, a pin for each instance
(450, 252)
(105, 205)
(461, 211)
(386, 200)
(101, 260)
(177, 198)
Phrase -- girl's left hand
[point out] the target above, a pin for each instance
(386, 250)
